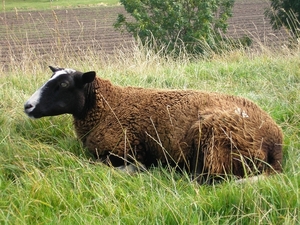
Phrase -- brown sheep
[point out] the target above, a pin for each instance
(207, 134)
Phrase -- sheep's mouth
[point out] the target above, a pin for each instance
(33, 115)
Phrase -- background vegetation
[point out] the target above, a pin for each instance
(176, 26)
(46, 177)
(285, 13)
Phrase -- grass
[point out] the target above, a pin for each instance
(46, 176)
(10, 5)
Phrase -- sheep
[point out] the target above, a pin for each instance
(209, 135)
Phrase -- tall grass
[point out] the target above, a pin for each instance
(46, 176)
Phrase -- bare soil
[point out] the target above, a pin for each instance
(248, 20)
(92, 28)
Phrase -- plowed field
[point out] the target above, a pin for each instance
(85, 28)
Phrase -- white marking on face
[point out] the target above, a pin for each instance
(34, 100)
(61, 72)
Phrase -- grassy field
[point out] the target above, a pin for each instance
(46, 176)
(9, 5)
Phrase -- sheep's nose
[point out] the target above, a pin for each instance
(27, 106)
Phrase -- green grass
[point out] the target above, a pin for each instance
(46, 177)
(9, 5)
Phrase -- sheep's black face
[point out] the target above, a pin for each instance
(62, 93)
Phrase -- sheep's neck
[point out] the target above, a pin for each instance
(97, 94)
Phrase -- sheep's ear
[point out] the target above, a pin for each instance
(54, 69)
(88, 77)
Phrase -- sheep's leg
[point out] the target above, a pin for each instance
(195, 136)
(131, 168)
(228, 146)
(116, 147)
(251, 180)
(219, 147)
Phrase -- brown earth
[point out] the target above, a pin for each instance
(248, 20)
(84, 28)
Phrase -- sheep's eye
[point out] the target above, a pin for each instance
(64, 84)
